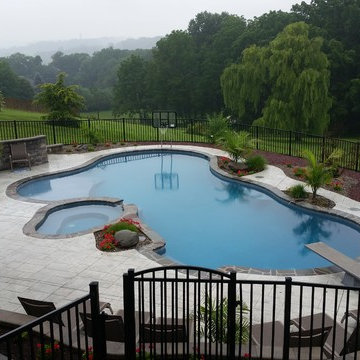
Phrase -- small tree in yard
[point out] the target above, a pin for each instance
(62, 102)
(317, 174)
(237, 144)
(217, 127)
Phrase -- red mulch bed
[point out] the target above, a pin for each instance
(349, 179)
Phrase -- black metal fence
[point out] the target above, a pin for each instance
(188, 130)
(194, 313)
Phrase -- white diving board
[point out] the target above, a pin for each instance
(350, 266)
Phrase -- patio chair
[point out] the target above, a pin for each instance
(114, 327)
(353, 314)
(274, 332)
(39, 308)
(18, 154)
(340, 341)
(159, 332)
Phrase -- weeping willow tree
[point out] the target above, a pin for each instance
(283, 85)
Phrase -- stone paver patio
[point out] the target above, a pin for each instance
(61, 270)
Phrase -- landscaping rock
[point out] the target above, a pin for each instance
(236, 166)
(126, 238)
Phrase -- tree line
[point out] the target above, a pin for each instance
(297, 70)
(95, 74)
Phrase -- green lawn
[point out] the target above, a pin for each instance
(11, 114)
(104, 114)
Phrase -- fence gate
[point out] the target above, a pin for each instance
(194, 313)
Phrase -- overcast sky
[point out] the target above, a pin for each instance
(26, 21)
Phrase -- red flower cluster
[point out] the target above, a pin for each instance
(47, 350)
(224, 159)
(131, 221)
(108, 242)
(90, 356)
(242, 172)
(337, 185)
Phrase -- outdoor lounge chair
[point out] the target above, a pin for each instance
(339, 342)
(114, 327)
(39, 308)
(164, 331)
(18, 154)
(353, 314)
(273, 335)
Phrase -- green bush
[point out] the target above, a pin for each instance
(299, 172)
(217, 126)
(317, 174)
(298, 191)
(256, 163)
(121, 226)
(237, 144)
(94, 136)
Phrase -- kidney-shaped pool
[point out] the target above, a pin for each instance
(205, 220)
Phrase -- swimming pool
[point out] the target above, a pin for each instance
(205, 220)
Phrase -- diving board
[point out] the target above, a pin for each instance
(350, 266)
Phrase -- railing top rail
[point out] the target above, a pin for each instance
(42, 319)
(325, 286)
(181, 268)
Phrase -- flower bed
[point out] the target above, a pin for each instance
(105, 238)
(233, 168)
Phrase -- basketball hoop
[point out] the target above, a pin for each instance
(163, 120)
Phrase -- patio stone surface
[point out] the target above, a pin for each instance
(60, 270)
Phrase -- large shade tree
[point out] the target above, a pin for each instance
(130, 90)
(62, 102)
(283, 85)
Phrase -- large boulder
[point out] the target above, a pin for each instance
(126, 238)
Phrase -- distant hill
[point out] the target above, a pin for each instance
(46, 49)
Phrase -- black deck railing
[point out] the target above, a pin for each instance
(187, 130)
(195, 313)
(60, 334)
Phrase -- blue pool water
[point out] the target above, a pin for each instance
(206, 221)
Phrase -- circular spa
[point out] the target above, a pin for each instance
(75, 217)
(206, 220)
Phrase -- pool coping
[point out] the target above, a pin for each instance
(40, 216)
(157, 241)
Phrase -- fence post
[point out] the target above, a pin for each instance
(129, 315)
(287, 312)
(15, 130)
(98, 321)
(54, 132)
(290, 142)
(323, 149)
(357, 156)
(231, 316)
(192, 130)
(123, 126)
(257, 137)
